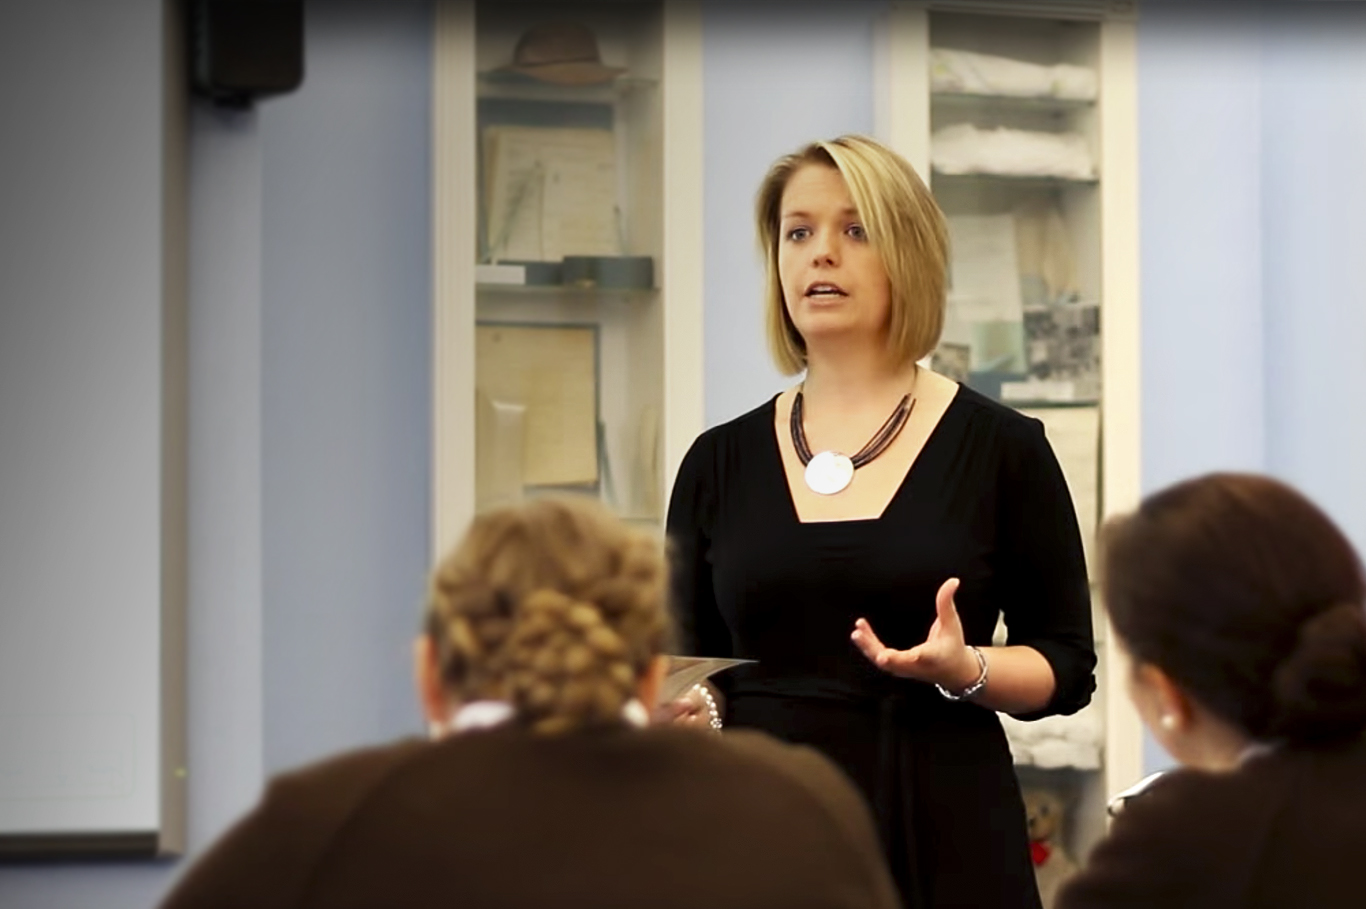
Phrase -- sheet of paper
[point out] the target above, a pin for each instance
(580, 216)
(685, 672)
(499, 452)
(1047, 263)
(514, 183)
(1074, 433)
(550, 192)
(985, 270)
(551, 370)
(985, 306)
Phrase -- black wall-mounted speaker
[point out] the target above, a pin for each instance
(242, 50)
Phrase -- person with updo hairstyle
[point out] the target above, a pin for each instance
(1243, 609)
(542, 782)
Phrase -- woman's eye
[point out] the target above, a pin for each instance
(857, 232)
(798, 233)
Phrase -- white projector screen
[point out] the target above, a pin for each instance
(91, 430)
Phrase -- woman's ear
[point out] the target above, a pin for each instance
(652, 681)
(431, 695)
(1182, 725)
(1166, 710)
(1174, 710)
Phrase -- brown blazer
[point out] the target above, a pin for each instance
(1287, 829)
(646, 819)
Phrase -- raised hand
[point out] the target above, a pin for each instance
(943, 658)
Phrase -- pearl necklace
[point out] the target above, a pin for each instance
(831, 472)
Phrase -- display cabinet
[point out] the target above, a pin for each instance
(1022, 116)
(567, 223)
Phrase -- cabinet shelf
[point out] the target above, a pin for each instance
(973, 103)
(561, 293)
(496, 84)
(1025, 181)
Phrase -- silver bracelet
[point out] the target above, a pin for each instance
(976, 686)
(713, 711)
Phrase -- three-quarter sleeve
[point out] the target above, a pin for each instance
(1045, 592)
(701, 629)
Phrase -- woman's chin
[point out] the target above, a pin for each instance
(818, 328)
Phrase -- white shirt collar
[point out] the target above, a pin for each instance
(485, 714)
(480, 715)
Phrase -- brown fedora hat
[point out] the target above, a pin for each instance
(563, 52)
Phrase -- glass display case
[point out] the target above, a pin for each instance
(567, 156)
(1022, 118)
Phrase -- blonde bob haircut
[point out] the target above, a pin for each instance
(904, 224)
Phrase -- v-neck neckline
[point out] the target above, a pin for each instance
(776, 449)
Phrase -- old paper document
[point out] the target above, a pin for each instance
(550, 193)
(685, 672)
(499, 452)
(551, 371)
(985, 305)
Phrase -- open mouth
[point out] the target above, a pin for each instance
(824, 290)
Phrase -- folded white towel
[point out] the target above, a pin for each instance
(967, 149)
(1057, 741)
(986, 74)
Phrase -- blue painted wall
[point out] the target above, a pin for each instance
(1253, 205)
(1200, 162)
(1314, 272)
(775, 77)
(346, 373)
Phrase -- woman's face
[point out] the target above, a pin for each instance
(834, 283)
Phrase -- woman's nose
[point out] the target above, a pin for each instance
(823, 250)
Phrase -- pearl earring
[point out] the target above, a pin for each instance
(1168, 722)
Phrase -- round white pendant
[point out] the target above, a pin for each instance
(829, 472)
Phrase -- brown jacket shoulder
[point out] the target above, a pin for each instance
(661, 817)
(1283, 830)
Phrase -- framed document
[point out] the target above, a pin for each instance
(550, 371)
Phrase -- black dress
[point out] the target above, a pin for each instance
(985, 501)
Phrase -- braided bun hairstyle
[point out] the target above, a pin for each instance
(556, 606)
(1250, 598)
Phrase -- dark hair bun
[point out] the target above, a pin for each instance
(1319, 690)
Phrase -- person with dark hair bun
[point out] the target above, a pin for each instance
(542, 783)
(1243, 609)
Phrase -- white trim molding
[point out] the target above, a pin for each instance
(1121, 347)
(453, 254)
(684, 398)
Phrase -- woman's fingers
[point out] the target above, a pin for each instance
(882, 656)
(866, 640)
(944, 606)
(927, 659)
(682, 711)
(667, 713)
(864, 632)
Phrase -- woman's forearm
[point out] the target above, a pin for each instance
(1019, 680)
